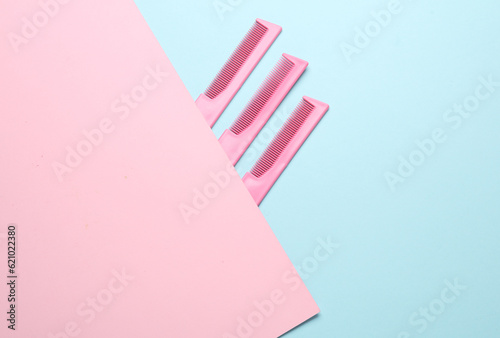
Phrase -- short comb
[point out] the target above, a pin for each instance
(237, 69)
(283, 147)
(268, 97)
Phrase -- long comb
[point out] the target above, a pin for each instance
(237, 69)
(283, 147)
(268, 97)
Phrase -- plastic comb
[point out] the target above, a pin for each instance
(237, 69)
(265, 101)
(283, 147)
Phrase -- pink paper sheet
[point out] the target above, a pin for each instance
(129, 220)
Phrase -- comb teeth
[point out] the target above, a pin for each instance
(236, 60)
(282, 139)
(262, 96)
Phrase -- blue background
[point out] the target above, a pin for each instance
(396, 247)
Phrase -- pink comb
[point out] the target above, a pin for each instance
(283, 147)
(268, 97)
(237, 69)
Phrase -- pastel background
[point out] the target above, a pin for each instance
(398, 250)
